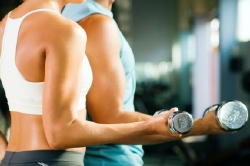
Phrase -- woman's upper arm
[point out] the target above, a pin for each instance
(63, 74)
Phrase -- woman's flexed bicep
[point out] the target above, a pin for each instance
(63, 80)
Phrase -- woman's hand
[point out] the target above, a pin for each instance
(159, 124)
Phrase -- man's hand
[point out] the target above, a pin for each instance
(211, 124)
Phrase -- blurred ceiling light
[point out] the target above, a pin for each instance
(215, 24)
(243, 29)
(165, 67)
(176, 56)
(214, 37)
(151, 70)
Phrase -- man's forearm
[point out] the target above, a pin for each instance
(137, 116)
(198, 129)
(202, 126)
(125, 117)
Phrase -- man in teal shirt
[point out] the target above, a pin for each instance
(110, 99)
(116, 73)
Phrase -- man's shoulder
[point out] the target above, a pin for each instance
(98, 21)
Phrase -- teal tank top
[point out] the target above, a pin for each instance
(110, 154)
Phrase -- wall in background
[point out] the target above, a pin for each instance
(154, 28)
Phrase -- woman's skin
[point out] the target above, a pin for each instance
(51, 49)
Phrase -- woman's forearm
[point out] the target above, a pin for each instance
(81, 133)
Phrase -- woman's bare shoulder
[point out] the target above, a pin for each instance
(55, 24)
(52, 28)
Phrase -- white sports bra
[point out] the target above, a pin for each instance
(24, 96)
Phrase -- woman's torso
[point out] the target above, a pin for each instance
(27, 131)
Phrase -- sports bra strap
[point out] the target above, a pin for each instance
(34, 11)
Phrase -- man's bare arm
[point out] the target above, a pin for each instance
(108, 87)
(107, 91)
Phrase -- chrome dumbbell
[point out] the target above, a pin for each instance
(181, 122)
(230, 115)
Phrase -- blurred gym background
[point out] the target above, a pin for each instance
(190, 54)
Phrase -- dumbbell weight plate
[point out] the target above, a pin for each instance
(231, 115)
(181, 122)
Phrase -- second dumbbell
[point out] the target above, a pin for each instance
(230, 115)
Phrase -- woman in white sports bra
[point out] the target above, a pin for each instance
(46, 77)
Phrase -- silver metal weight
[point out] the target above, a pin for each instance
(230, 115)
(181, 122)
